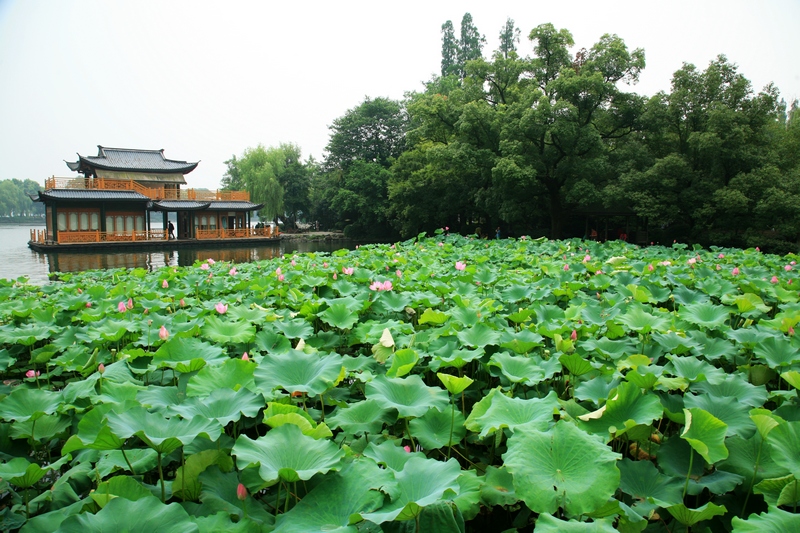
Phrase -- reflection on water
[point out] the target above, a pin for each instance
(18, 260)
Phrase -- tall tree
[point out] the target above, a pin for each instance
(470, 44)
(509, 37)
(449, 49)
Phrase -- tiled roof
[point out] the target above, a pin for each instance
(234, 206)
(130, 159)
(91, 194)
(179, 205)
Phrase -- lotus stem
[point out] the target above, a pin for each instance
(183, 475)
(286, 503)
(452, 424)
(277, 499)
(408, 431)
(161, 477)
(688, 473)
(133, 472)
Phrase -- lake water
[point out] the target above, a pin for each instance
(17, 260)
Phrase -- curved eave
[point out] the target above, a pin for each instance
(179, 206)
(84, 164)
(234, 206)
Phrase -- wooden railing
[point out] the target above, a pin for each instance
(154, 193)
(241, 233)
(39, 235)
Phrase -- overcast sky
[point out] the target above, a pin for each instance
(207, 79)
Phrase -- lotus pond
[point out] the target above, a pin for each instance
(441, 384)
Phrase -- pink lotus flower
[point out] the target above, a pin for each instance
(735, 271)
(447, 228)
(121, 307)
(278, 271)
(387, 285)
(692, 261)
(587, 258)
(335, 276)
(182, 303)
(439, 244)
(758, 249)
(378, 286)
(566, 267)
(221, 308)
(460, 265)
(88, 305)
(245, 357)
(232, 271)
(164, 284)
(211, 261)
(348, 271)
(665, 263)
(787, 268)
(407, 448)
(598, 272)
(101, 368)
(294, 263)
(204, 266)
(774, 279)
(650, 268)
(574, 335)
(324, 265)
(719, 267)
(129, 305)
(241, 492)
(32, 374)
(791, 330)
(398, 273)
(281, 277)
(721, 256)
(163, 334)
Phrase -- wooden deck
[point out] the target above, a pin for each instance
(154, 193)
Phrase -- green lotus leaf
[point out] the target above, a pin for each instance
(93, 432)
(434, 429)
(734, 386)
(43, 428)
(642, 480)
(284, 453)
(777, 352)
(297, 328)
(550, 469)
(449, 355)
(598, 389)
(272, 342)
(431, 316)
(111, 329)
(391, 301)
(496, 411)
(233, 374)
(359, 418)
(24, 474)
(624, 409)
(141, 460)
(517, 293)
(743, 455)
(187, 354)
(517, 369)
(774, 520)
(389, 454)
(223, 521)
(717, 482)
(749, 337)
(29, 404)
(640, 321)
(613, 349)
(164, 435)
(454, 384)
(547, 523)
(297, 371)
(792, 378)
(690, 517)
(520, 342)
(747, 303)
(403, 362)
(422, 482)
(218, 494)
(331, 504)
(6, 360)
(119, 487)
(158, 398)
(779, 491)
(479, 336)
(693, 369)
(673, 342)
(706, 314)
(764, 421)
(465, 316)
(575, 364)
(735, 415)
(688, 296)
(409, 395)
(26, 335)
(711, 348)
(498, 487)
(145, 515)
(228, 332)
(706, 434)
(223, 405)
(187, 478)
(339, 316)
(785, 443)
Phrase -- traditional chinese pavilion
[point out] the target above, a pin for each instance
(117, 191)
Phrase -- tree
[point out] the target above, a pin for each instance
(509, 37)
(449, 50)
(470, 44)
(232, 180)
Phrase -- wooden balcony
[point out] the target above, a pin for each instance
(240, 233)
(83, 237)
(152, 192)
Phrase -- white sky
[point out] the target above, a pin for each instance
(207, 79)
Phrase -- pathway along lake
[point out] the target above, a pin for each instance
(17, 260)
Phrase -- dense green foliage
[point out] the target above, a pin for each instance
(439, 384)
(542, 140)
(14, 199)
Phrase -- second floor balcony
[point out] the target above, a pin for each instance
(152, 191)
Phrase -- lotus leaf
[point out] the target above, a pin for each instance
(284, 453)
(547, 523)
(550, 469)
(774, 520)
(436, 429)
(690, 517)
(625, 409)
(297, 371)
(29, 404)
(642, 480)
(223, 405)
(409, 395)
(233, 374)
(228, 332)
(359, 418)
(706, 434)
(187, 354)
(496, 411)
(164, 435)
(141, 516)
